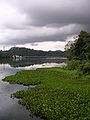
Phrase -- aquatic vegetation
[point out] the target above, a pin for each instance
(59, 94)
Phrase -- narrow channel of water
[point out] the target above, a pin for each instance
(9, 107)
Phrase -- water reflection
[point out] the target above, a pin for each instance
(31, 61)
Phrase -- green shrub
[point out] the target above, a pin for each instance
(86, 67)
(81, 66)
(74, 64)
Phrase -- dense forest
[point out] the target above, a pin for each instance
(29, 52)
(78, 53)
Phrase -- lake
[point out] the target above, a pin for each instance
(9, 107)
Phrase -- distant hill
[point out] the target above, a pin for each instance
(30, 52)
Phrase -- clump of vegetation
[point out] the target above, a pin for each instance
(74, 64)
(60, 94)
(86, 67)
(25, 78)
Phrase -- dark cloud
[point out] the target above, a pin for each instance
(59, 12)
(44, 20)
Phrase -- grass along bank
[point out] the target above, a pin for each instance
(60, 94)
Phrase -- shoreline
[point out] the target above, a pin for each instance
(59, 93)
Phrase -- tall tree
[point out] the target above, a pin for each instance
(80, 49)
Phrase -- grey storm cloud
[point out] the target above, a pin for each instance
(44, 12)
(42, 20)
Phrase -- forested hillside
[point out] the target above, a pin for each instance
(29, 52)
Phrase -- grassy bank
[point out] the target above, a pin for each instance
(60, 94)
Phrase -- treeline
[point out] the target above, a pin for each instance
(29, 52)
(4, 54)
(78, 53)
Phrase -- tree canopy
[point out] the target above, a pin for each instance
(80, 49)
(78, 53)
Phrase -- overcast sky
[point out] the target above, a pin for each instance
(42, 24)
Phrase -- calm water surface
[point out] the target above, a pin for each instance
(9, 107)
